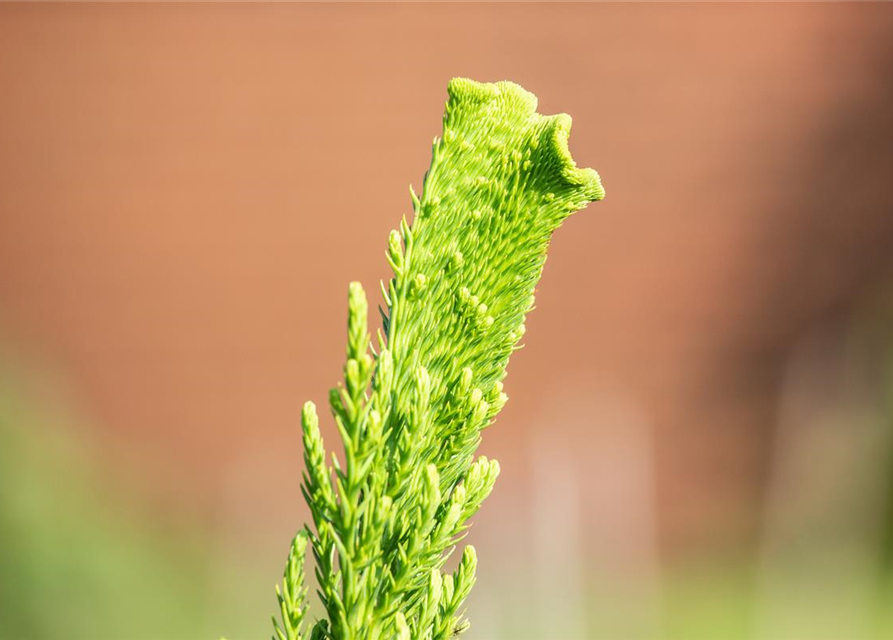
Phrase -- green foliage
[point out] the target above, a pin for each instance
(79, 559)
(410, 414)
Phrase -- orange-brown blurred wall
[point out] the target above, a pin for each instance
(187, 189)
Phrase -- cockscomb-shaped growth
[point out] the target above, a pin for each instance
(410, 410)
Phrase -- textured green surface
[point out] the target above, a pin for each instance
(388, 514)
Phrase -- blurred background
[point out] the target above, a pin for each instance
(699, 441)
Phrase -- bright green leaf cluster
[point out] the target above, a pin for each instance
(410, 414)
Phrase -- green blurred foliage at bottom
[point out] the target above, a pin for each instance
(74, 563)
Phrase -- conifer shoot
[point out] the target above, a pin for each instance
(389, 511)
